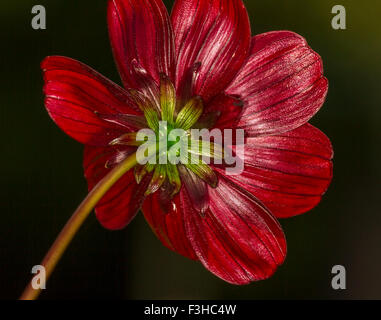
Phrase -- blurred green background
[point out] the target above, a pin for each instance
(42, 180)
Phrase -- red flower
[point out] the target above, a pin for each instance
(202, 58)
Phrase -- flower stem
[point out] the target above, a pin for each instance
(72, 226)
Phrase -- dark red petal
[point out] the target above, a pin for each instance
(238, 239)
(228, 109)
(290, 172)
(215, 33)
(166, 220)
(146, 84)
(76, 94)
(141, 30)
(197, 189)
(282, 84)
(123, 201)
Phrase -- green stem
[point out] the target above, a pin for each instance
(72, 226)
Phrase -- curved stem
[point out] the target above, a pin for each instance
(72, 226)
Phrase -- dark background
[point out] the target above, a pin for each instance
(42, 180)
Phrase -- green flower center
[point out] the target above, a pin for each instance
(170, 152)
(173, 117)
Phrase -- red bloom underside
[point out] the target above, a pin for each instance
(277, 77)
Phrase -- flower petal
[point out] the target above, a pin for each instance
(75, 97)
(282, 84)
(197, 189)
(166, 220)
(237, 239)
(226, 108)
(215, 33)
(123, 201)
(290, 172)
(141, 30)
(146, 84)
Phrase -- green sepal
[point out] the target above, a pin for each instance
(167, 99)
(128, 139)
(189, 115)
(201, 169)
(147, 106)
(174, 178)
(125, 120)
(204, 172)
(157, 180)
(141, 171)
